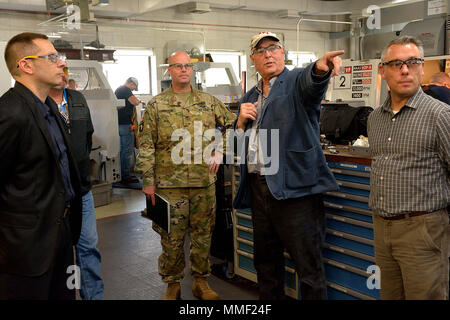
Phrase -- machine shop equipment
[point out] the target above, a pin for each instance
(358, 81)
(350, 98)
(360, 84)
(229, 93)
(105, 154)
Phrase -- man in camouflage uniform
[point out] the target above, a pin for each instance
(183, 172)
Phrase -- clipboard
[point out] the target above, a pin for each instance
(159, 213)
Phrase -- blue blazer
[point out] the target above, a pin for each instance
(293, 107)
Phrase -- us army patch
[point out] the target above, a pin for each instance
(141, 126)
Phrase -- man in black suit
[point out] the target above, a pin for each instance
(40, 202)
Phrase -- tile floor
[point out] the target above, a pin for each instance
(130, 250)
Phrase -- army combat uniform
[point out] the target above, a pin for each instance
(173, 128)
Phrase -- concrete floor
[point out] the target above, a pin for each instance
(122, 201)
(130, 250)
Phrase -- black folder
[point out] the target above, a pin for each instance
(159, 213)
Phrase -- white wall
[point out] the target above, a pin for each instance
(5, 79)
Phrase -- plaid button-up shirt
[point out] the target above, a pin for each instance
(410, 156)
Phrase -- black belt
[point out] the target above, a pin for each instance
(407, 215)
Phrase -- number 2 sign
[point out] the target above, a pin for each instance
(342, 81)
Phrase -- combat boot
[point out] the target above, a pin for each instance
(173, 291)
(201, 290)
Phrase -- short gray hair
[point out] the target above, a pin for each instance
(403, 41)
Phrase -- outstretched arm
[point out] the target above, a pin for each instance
(313, 81)
(330, 61)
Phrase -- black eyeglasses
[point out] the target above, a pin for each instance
(272, 48)
(397, 63)
(180, 66)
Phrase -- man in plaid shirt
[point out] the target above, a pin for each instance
(409, 137)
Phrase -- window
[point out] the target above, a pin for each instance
(300, 59)
(214, 76)
(131, 63)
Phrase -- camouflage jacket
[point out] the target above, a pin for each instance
(172, 153)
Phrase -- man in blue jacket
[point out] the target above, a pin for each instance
(286, 203)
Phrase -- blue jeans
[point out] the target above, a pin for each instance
(88, 256)
(126, 148)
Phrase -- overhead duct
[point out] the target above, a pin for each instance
(285, 14)
(197, 7)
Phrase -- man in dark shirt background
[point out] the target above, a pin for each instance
(126, 129)
(78, 125)
(439, 87)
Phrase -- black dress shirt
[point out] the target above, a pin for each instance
(59, 146)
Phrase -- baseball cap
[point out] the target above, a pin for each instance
(134, 81)
(258, 37)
